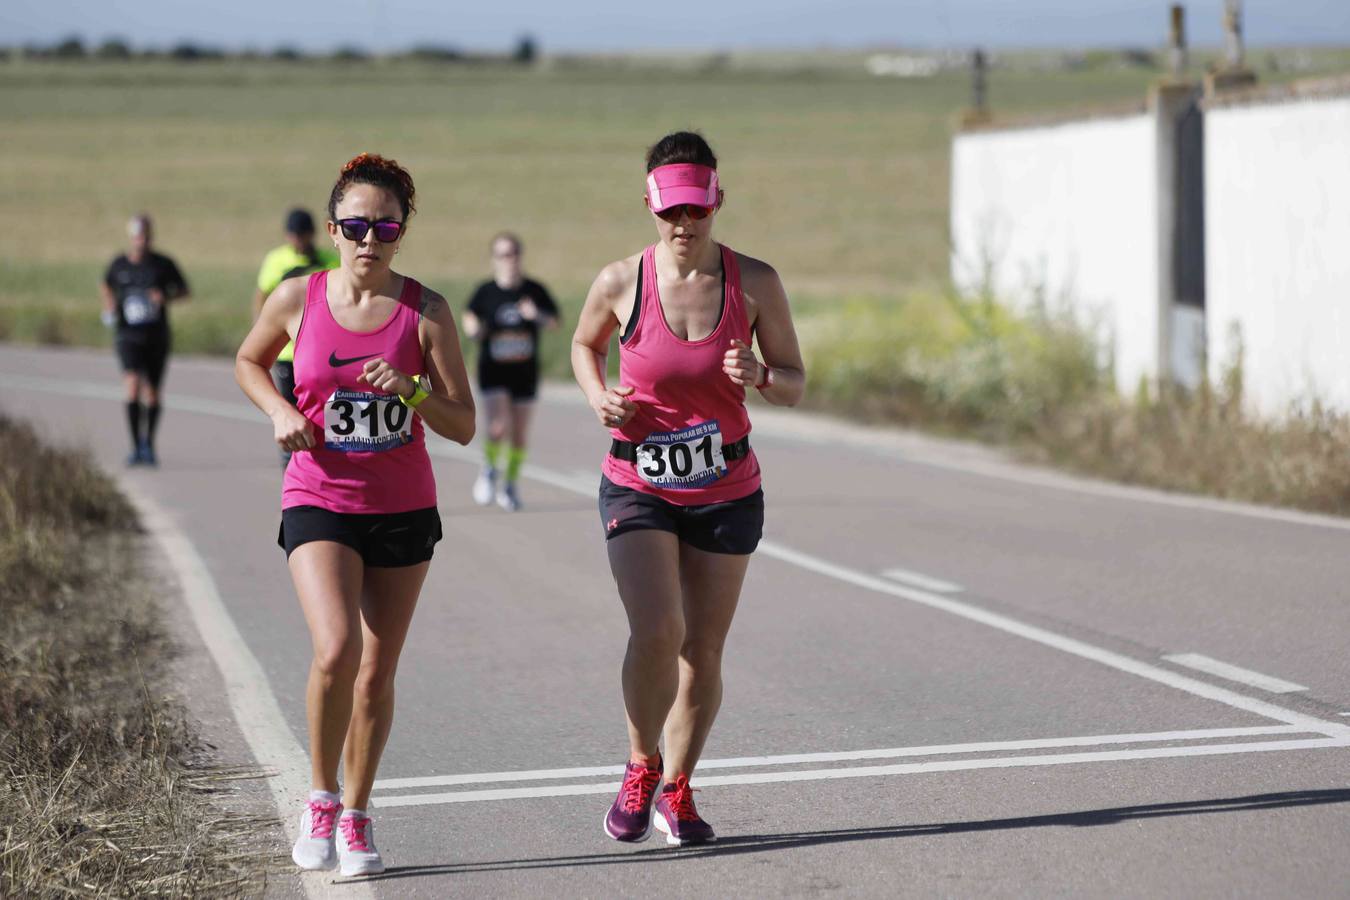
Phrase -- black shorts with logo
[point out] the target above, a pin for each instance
(382, 539)
(733, 527)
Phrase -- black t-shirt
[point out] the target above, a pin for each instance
(506, 337)
(131, 283)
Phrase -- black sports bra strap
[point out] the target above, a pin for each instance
(637, 309)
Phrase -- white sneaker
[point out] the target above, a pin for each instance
(314, 849)
(507, 498)
(356, 845)
(485, 486)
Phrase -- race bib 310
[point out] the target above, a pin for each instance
(365, 421)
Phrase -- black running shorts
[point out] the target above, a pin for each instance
(520, 380)
(382, 539)
(145, 354)
(733, 527)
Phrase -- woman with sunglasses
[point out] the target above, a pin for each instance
(377, 360)
(680, 498)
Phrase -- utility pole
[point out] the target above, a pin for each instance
(978, 113)
(1232, 30)
(1176, 45)
(1233, 73)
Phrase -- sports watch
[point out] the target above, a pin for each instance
(421, 390)
(768, 379)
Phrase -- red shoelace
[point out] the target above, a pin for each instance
(354, 831)
(638, 784)
(681, 800)
(321, 818)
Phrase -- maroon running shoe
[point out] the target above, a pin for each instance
(676, 817)
(630, 818)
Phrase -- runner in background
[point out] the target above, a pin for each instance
(137, 289)
(505, 316)
(298, 256)
(377, 362)
(680, 498)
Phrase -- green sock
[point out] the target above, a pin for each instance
(491, 451)
(515, 458)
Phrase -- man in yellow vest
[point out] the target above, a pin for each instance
(298, 256)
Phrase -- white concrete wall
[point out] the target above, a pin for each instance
(1066, 212)
(1277, 247)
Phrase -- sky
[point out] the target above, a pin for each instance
(616, 25)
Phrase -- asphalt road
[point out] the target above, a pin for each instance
(949, 675)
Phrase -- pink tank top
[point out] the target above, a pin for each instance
(371, 456)
(688, 409)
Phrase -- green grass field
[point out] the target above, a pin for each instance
(838, 178)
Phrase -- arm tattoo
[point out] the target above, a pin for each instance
(430, 305)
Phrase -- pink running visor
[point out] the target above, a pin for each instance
(680, 183)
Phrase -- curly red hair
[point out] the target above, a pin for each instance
(373, 169)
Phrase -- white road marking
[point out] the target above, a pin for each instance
(956, 456)
(788, 759)
(1057, 641)
(1005, 762)
(252, 703)
(823, 431)
(1338, 734)
(1203, 663)
(922, 581)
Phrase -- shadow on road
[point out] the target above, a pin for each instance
(760, 843)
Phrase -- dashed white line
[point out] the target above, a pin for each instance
(1057, 641)
(922, 581)
(1231, 672)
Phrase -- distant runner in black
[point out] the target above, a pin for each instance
(505, 316)
(137, 290)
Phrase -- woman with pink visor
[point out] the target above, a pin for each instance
(680, 497)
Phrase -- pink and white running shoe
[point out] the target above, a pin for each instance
(356, 845)
(314, 848)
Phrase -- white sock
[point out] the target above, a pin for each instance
(323, 797)
(348, 813)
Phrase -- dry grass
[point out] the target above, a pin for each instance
(106, 790)
(1036, 382)
(1201, 442)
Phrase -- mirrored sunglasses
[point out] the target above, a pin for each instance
(386, 230)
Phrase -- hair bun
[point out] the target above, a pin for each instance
(371, 168)
(364, 159)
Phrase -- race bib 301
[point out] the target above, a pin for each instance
(689, 458)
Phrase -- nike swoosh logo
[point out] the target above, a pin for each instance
(336, 363)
